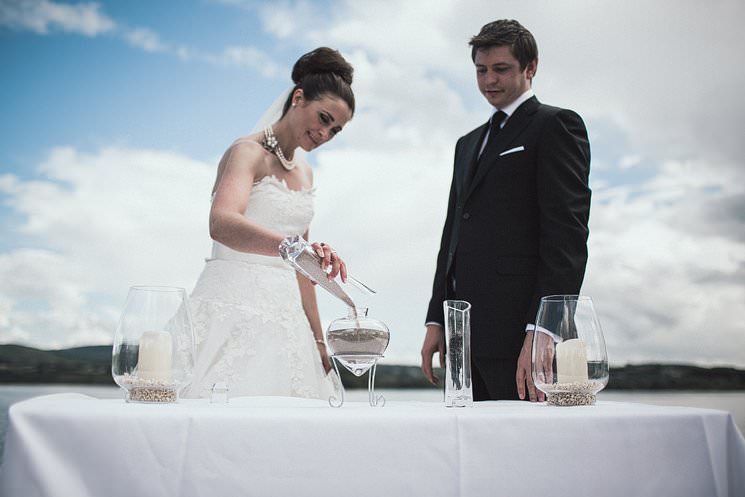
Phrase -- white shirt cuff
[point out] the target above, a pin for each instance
(541, 329)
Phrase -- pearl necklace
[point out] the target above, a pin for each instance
(271, 144)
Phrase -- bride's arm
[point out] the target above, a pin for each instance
(310, 306)
(228, 225)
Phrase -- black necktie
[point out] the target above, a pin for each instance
(494, 127)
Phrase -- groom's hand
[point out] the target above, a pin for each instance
(434, 342)
(523, 376)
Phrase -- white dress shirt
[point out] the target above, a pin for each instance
(509, 110)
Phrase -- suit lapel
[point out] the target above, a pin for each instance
(517, 122)
(471, 157)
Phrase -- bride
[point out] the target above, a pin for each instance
(256, 322)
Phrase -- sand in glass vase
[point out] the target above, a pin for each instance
(357, 340)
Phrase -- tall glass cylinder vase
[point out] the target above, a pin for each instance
(153, 352)
(458, 389)
(570, 362)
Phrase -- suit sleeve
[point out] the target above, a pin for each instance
(563, 167)
(439, 286)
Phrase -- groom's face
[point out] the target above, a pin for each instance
(499, 76)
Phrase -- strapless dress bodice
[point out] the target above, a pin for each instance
(273, 205)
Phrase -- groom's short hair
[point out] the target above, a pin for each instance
(510, 33)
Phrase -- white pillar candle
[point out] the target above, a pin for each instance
(571, 361)
(155, 356)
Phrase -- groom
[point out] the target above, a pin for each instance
(516, 225)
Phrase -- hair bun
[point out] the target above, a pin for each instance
(322, 60)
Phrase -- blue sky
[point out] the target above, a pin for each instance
(114, 115)
(86, 91)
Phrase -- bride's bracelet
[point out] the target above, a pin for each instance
(320, 340)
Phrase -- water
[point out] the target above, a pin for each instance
(734, 402)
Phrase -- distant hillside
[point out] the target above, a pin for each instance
(675, 377)
(19, 364)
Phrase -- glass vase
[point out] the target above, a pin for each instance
(569, 358)
(153, 351)
(358, 342)
(458, 389)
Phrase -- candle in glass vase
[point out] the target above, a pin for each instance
(571, 361)
(155, 356)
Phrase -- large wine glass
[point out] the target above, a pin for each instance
(153, 352)
(569, 358)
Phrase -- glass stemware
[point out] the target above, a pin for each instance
(358, 342)
(569, 358)
(153, 351)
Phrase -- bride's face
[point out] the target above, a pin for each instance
(318, 121)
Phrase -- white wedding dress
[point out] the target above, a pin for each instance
(250, 328)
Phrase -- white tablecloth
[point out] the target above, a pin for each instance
(78, 446)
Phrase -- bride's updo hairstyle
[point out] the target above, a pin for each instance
(322, 72)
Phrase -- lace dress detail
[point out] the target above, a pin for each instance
(250, 328)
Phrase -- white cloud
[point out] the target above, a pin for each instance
(667, 288)
(146, 39)
(45, 302)
(629, 161)
(640, 64)
(289, 19)
(43, 17)
(107, 221)
(234, 56)
(637, 63)
(252, 57)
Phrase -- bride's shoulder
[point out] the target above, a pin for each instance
(249, 143)
(245, 148)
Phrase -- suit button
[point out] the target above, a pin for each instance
(466, 215)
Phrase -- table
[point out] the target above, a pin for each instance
(75, 445)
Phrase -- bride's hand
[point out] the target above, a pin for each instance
(330, 259)
(324, 356)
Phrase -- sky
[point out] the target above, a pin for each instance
(113, 116)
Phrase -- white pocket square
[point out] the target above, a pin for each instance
(512, 151)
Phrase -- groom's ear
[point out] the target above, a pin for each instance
(531, 69)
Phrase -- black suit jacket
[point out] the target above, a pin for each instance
(519, 230)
